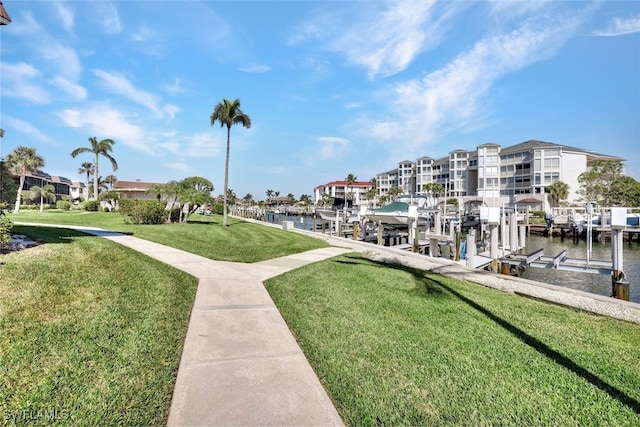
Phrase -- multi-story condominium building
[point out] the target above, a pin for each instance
(497, 175)
(386, 181)
(458, 165)
(407, 176)
(62, 186)
(424, 172)
(343, 192)
(440, 170)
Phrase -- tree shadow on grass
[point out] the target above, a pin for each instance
(521, 335)
(430, 287)
(43, 234)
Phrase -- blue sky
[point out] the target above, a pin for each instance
(332, 87)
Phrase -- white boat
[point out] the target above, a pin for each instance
(327, 214)
(404, 210)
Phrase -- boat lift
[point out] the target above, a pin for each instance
(614, 267)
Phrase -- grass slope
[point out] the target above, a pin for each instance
(398, 346)
(91, 332)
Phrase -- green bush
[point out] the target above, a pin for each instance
(217, 208)
(175, 215)
(91, 206)
(63, 205)
(5, 229)
(127, 206)
(537, 214)
(148, 212)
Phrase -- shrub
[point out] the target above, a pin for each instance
(63, 205)
(537, 214)
(127, 206)
(175, 214)
(5, 229)
(217, 208)
(148, 212)
(91, 206)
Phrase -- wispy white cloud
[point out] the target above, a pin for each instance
(117, 83)
(150, 41)
(330, 147)
(454, 97)
(107, 122)
(21, 80)
(515, 9)
(621, 26)
(174, 88)
(384, 38)
(179, 166)
(73, 90)
(65, 15)
(203, 145)
(50, 58)
(107, 16)
(255, 68)
(26, 26)
(25, 128)
(171, 110)
(143, 34)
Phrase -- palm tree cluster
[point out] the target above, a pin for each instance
(188, 195)
(22, 161)
(97, 148)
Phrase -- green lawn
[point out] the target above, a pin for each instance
(204, 235)
(398, 346)
(95, 330)
(91, 332)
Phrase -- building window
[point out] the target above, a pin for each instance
(551, 177)
(552, 163)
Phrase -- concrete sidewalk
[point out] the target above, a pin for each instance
(240, 364)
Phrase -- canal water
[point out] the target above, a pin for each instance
(594, 283)
(588, 282)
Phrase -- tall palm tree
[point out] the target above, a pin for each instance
(87, 169)
(350, 180)
(44, 192)
(22, 161)
(228, 113)
(101, 148)
(111, 179)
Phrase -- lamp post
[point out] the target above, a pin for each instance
(4, 16)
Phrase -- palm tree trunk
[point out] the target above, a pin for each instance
(95, 179)
(226, 177)
(86, 194)
(16, 209)
(41, 203)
